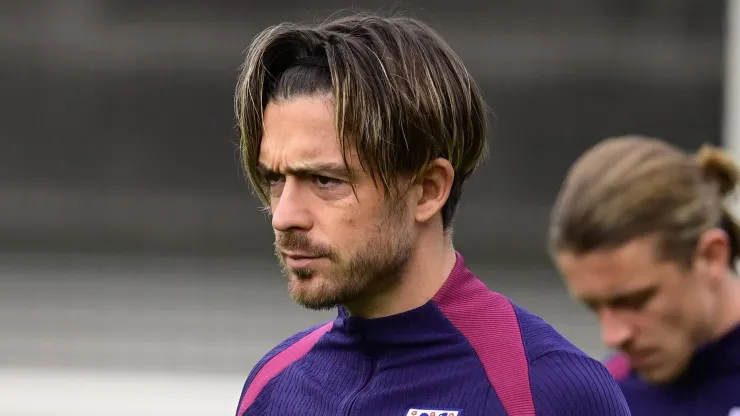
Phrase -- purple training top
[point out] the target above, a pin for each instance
(710, 386)
(467, 352)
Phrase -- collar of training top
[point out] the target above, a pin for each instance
(423, 325)
(718, 357)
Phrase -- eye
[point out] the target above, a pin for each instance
(273, 179)
(634, 302)
(325, 181)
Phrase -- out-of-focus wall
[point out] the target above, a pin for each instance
(117, 129)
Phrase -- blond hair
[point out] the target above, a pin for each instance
(401, 96)
(634, 186)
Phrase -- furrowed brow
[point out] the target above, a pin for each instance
(308, 169)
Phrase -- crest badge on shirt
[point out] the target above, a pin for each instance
(433, 412)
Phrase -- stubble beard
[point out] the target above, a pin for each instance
(378, 263)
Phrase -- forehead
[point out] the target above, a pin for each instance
(297, 131)
(604, 273)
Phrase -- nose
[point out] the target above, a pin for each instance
(289, 210)
(614, 331)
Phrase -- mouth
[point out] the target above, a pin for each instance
(299, 261)
(640, 359)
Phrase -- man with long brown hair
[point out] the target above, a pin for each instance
(358, 134)
(641, 234)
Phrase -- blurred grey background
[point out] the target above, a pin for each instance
(136, 274)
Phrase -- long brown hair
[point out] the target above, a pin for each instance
(633, 186)
(402, 97)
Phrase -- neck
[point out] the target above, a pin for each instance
(429, 266)
(728, 317)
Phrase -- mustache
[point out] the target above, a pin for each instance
(292, 241)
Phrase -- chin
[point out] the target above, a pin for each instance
(659, 375)
(312, 291)
(316, 300)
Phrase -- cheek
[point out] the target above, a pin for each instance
(694, 301)
(345, 226)
(659, 318)
(351, 219)
(675, 319)
(675, 316)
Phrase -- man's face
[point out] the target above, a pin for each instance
(653, 311)
(335, 246)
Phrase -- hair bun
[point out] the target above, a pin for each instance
(718, 166)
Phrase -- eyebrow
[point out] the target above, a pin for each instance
(308, 169)
(621, 298)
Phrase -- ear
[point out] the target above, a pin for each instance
(713, 253)
(433, 189)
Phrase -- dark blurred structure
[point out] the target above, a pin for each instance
(117, 128)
